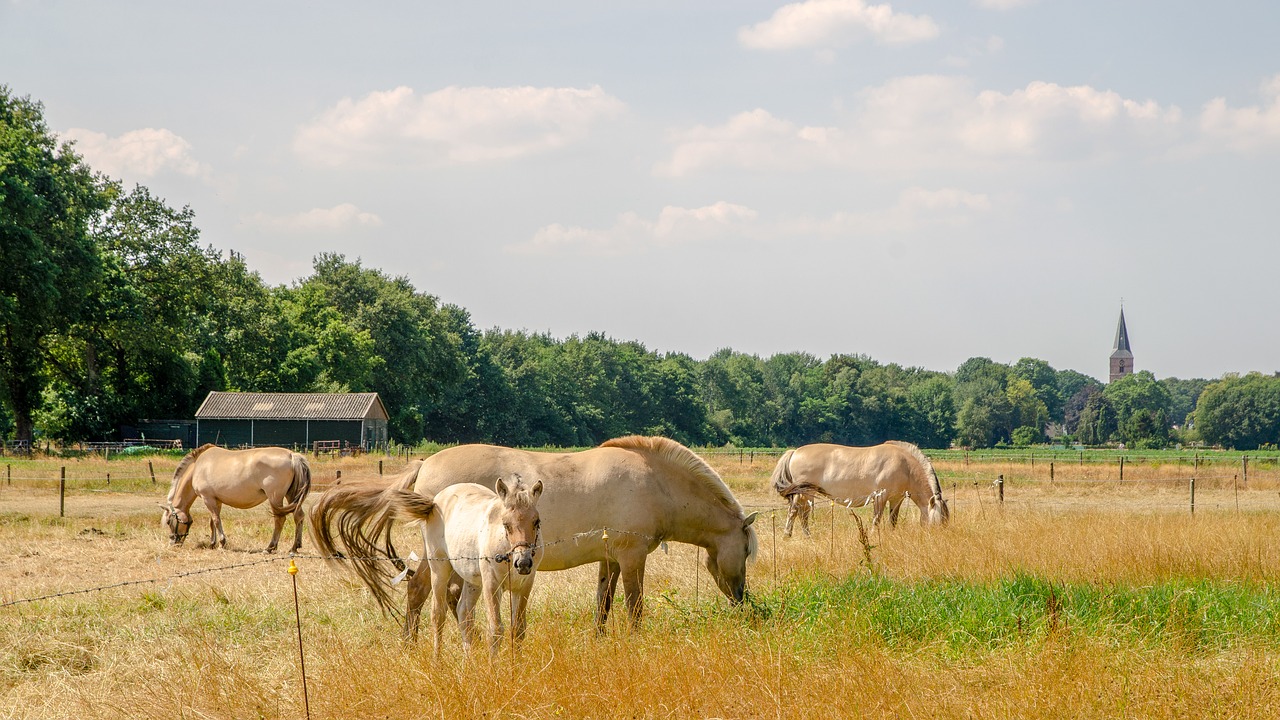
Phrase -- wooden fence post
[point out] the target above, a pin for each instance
(1193, 496)
(1000, 487)
(151, 468)
(1121, 468)
(62, 492)
(1244, 470)
(379, 467)
(8, 474)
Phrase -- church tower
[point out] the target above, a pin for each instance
(1121, 355)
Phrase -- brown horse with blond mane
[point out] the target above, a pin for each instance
(882, 476)
(241, 479)
(643, 491)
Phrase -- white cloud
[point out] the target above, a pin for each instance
(138, 154)
(453, 125)
(632, 233)
(1248, 127)
(339, 218)
(753, 140)
(825, 23)
(935, 120)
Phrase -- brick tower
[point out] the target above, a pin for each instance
(1121, 354)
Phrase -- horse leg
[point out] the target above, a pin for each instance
(805, 506)
(492, 592)
(633, 588)
(519, 604)
(417, 591)
(216, 533)
(894, 507)
(440, 606)
(605, 588)
(466, 611)
(275, 533)
(792, 510)
(877, 509)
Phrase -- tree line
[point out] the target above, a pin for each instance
(112, 310)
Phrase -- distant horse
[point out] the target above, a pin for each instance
(479, 535)
(643, 490)
(881, 475)
(241, 479)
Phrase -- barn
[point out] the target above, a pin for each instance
(303, 420)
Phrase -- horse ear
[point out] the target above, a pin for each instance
(536, 491)
(746, 522)
(501, 488)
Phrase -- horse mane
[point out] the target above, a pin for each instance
(188, 460)
(934, 485)
(674, 452)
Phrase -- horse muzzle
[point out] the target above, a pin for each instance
(524, 565)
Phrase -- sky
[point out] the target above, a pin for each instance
(916, 181)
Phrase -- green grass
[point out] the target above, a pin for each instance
(963, 617)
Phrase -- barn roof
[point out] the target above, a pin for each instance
(292, 406)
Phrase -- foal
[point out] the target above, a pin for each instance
(483, 536)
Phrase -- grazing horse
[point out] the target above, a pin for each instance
(881, 475)
(481, 536)
(643, 490)
(241, 479)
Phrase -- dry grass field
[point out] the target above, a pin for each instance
(1084, 597)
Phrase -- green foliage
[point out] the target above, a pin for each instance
(1240, 412)
(48, 201)
(1027, 435)
(1025, 609)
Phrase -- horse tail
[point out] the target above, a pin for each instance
(299, 488)
(804, 490)
(353, 522)
(782, 472)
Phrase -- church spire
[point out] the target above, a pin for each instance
(1121, 353)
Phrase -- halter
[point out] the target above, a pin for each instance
(176, 522)
(506, 556)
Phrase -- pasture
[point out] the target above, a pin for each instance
(1080, 596)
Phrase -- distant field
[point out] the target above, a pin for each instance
(1081, 596)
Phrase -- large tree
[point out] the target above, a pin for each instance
(1240, 412)
(49, 200)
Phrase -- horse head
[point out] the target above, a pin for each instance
(727, 558)
(520, 521)
(177, 521)
(938, 513)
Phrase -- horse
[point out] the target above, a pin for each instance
(881, 475)
(613, 505)
(479, 535)
(241, 479)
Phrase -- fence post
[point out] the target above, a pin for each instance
(1121, 468)
(379, 467)
(1000, 487)
(108, 479)
(8, 474)
(1050, 473)
(1193, 496)
(1244, 470)
(62, 492)
(152, 470)
(339, 475)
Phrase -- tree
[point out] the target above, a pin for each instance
(1140, 393)
(1240, 412)
(1097, 420)
(49, 200)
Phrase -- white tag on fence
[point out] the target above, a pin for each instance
(413, 556)
(403, 574)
